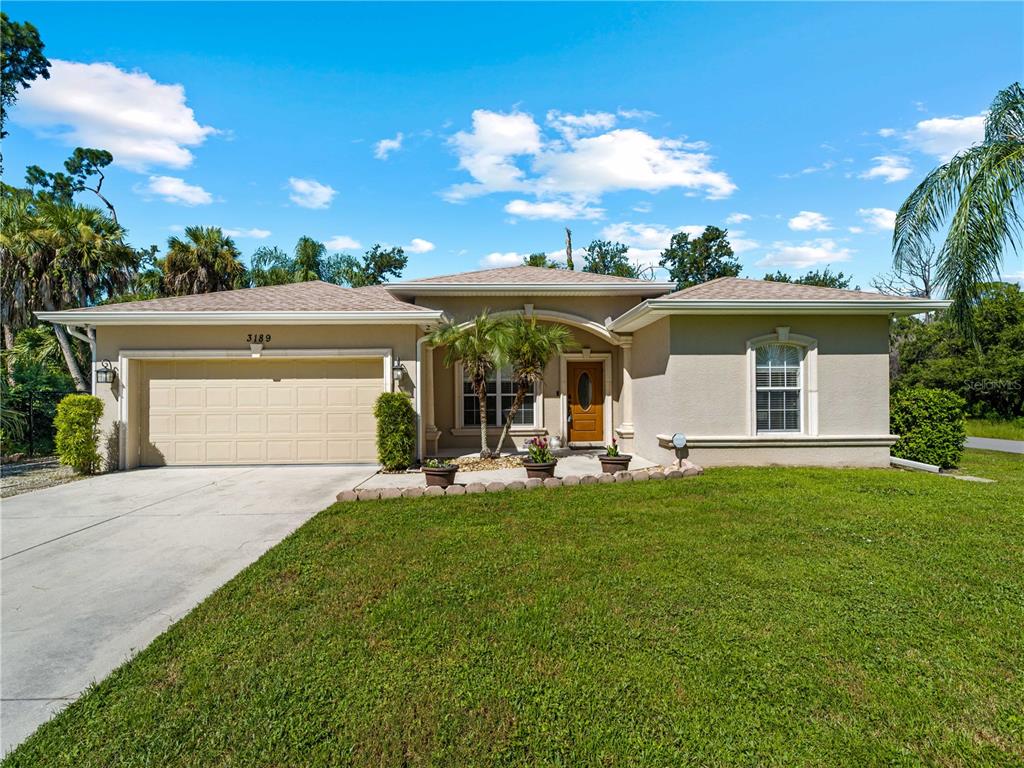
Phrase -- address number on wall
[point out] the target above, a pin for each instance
(257, 338)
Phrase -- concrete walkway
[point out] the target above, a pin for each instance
(991, 444)
(94, 570)
(575, 463)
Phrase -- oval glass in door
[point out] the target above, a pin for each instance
(584, 391)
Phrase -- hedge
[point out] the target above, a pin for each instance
(930, 423)
(78, 434)
(396, 431)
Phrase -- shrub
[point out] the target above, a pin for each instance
(78, 434)
(930, 423)
(396, 431)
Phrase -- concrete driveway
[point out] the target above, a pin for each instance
(94, 570)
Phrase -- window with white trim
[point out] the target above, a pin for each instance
(501, 391)
(777, 386)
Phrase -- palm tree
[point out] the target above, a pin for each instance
(527, 348)
(204, 261)
(978, 191)
(270, 266)
(477, 347)
(308, 260)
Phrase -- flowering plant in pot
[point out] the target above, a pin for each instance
(439, 472)
(613, 460)
(540, 462)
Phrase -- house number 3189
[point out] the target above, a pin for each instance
(258, 338)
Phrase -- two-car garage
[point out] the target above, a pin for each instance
(258, 411)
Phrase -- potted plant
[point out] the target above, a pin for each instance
(439, 472)
(612, 460)
(540, 462)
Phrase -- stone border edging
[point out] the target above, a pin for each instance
(624, 476)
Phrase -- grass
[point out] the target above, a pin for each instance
(749, 616)
(997, 428)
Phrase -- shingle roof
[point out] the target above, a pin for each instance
(312, 296)
(742, 289)
(523, 275)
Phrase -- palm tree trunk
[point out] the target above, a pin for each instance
(517, 403)
(8, 337)
(481, 396)
(64, 340)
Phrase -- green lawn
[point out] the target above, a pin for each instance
(997, 428)
(749, 616)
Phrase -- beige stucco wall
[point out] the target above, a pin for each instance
(445, 388)
(691, 376)
(111, 341)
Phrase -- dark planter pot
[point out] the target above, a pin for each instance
(612, 464)
(442, 476)
(540, 469)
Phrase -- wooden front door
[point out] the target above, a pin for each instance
(585, 394)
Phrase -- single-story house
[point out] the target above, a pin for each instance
(751, 372)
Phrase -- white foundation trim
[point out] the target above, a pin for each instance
(780, 441)
(563, 377)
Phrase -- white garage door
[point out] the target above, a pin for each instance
(260, 411)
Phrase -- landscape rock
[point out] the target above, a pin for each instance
(413, 493)
(623, 476)
(588, 480)
(475, 488)
(606, 478)
(433, 490)
(455, 490)
(347, 496)
(640, 475)
(674, 474)
(368, 494)
(390, 493)
(570, 480)
(495, 487)
(552, 482)
(533, 482)
(515, 485)
(656, 475)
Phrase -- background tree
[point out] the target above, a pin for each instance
(913, 276)
(270, 266)
(693, 261)
(824, 278)
(377, 265)
(540, 259)
(308, 261)
(477, 347)
(205, 260)
(979, 193)
(604, 257)
(527, 348)
(21, 62)
(80, 168)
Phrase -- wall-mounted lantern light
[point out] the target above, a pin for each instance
(397, 369)
(106, 373)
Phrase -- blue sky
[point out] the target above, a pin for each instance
(800, 127)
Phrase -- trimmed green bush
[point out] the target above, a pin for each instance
(396, 431)
(930, 423)
(78, 434)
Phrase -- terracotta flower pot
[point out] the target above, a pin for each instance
(540, 469)
(442, 476)
(612, 464)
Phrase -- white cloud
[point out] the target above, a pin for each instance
(255, 234)
(855, 230)
(383, 148)
(171, 189)
(643, 207)
(343, 243)
(138, 120)
(825, 166)
(646, 241)
(737, 218)
(889, 168)
(509, 259)
(806, 254)
(881, 219)
(885, 133)
(806, 221)
(508, 153)
(310, 193)
(943, 137)
(741, 244)
(419, 245)
(553, 209)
